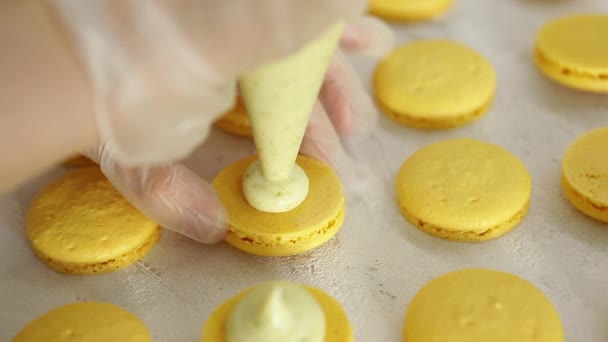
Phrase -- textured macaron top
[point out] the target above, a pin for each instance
(434, 78)
(463, 185)
(81, 218)
(90, 322)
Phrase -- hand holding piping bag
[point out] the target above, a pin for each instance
(161, 74)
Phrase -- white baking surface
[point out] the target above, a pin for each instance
(378, 261)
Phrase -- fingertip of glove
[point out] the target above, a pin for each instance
(205, 220)
(368, 36)
(213, 228)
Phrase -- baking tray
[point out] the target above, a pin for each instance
(378, 261)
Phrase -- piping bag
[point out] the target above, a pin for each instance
(280, 97)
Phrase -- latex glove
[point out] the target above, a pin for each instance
(178, 199)
(345, 113)
(170, 195)
(160, 110)
(163, 70)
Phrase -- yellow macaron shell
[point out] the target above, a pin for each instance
(585, 173)
(309, 225)
(573, 51)
(236, 120)
(337, 328)
(463, 189)
(434, 84)
(408, 10)
(79, 161)
(81, 224)
(479, 305)
(86, 322)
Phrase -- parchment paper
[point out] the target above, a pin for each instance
(378, 261)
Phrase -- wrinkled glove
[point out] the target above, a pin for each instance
(162, 71)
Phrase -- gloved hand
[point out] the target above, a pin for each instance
(163, 71)
(345, 111)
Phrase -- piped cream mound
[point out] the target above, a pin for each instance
(279, 312)
(274, 197)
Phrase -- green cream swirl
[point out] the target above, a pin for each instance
(277, 312)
